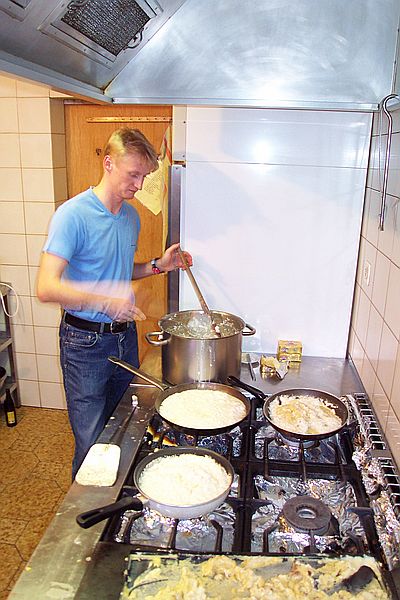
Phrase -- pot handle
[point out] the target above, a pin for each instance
(149, 378)
(251, 330)
(156, 342)
(91, 517)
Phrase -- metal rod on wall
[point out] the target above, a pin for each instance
(387, 158)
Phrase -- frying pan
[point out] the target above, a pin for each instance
(332, 401)
(167, 390)
(175, 511)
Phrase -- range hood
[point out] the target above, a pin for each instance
(324, 54)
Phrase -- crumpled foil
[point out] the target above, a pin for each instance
(373, 477)
(196, 535)
(337, 495)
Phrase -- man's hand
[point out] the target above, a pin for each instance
(171, 260)
(121, 309)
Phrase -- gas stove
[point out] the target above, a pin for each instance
(335, 497)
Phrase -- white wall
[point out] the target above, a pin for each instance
(272, 215)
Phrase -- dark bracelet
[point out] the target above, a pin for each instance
(154, 268)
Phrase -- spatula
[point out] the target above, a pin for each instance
(198, 293)
(100, 466)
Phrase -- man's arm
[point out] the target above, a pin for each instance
(50, 288)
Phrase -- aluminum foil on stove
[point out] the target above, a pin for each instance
(337, 495)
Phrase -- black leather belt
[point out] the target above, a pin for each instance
(114, 327)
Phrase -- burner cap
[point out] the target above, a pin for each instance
(308, 514)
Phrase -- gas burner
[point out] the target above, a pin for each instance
(307, 514)
(285, 441)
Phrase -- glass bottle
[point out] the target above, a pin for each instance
(9, 409)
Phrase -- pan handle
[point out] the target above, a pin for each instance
(251, 329)
(232, 380)
(156, 342)
(91, 517)
(149, 378)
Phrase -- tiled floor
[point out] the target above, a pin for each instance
(35, 473)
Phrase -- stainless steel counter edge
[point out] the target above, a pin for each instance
(59, 562)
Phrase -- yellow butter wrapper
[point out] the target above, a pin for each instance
(290, 350)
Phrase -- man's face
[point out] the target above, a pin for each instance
(127, 174)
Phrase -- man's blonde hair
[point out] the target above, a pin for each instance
(131, 141)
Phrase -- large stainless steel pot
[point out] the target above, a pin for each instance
(187, 359)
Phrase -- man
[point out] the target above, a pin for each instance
(86, 266)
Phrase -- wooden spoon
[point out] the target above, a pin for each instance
(198, 293)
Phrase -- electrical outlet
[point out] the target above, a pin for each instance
(367, 273)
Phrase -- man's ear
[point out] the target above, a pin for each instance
(107, 163)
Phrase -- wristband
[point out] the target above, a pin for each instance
(154, 268)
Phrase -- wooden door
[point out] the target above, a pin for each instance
(85, 141)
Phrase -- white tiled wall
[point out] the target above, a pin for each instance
(375, 329)
(33, 181)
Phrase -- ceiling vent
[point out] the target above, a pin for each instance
(101, 30)
(15, 8)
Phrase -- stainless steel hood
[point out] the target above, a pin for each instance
(271, 53)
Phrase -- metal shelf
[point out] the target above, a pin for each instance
(5, 341)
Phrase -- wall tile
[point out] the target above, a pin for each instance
(374, 333)
(8, 115)
(13, 249)
(392, 311)
(12, 217)
(361, 323)
(34, 115)
(34, 245)
(29, 392)
(17, 277)
(356, 302)
(49, 368)
(38, 185)
(22, 310)
(8, 87)
(387, 359)
(368, 377)
(393, 182)
(11, 185)
(369, 258)
(10, 150)
(23, 339)
(26, 366)
(47, 340)
(381, 279)
(38, 215)
(372, 225)
(58, 150)
(396, 120)
(52, 395)
(396, 238)
(357, 354)
(392, 433)
(395, 395)
(385, 237)
(46, 314)
(57, 116)
(380, 403)
(36, 150)
(28, 89)
(33, 273)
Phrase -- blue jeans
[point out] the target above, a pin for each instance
(93, 385)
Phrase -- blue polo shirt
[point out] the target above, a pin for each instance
(98, 245)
